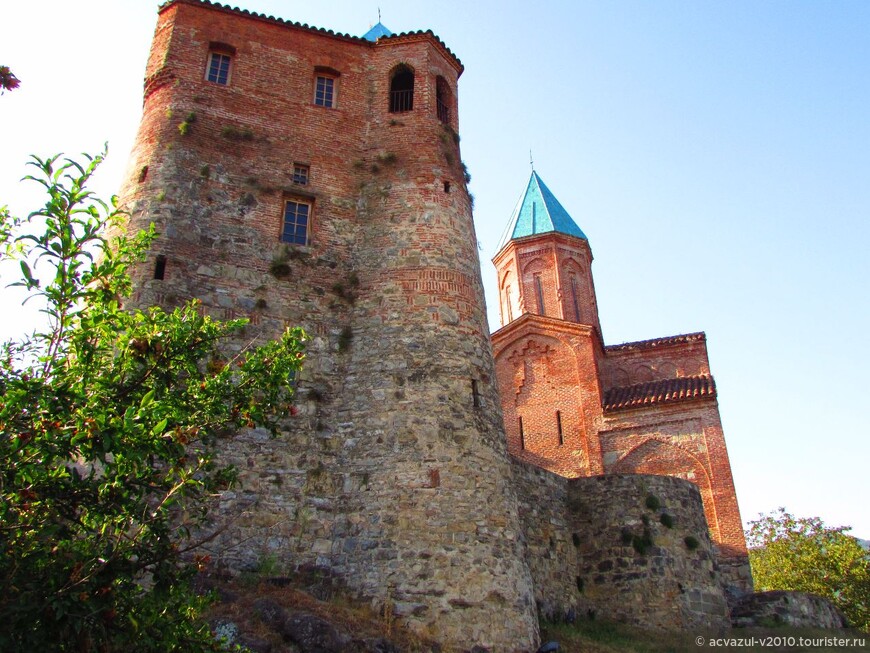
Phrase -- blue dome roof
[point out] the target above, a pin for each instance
(539, 212)
(377, 32)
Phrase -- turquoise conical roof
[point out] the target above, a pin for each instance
(539, 212)
(377, 32)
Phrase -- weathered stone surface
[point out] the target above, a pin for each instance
(313, 634)
(270, 613)
(779, 608)
(255, 644)
(632, 566)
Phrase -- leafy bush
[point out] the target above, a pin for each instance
(805, 555)
(107, 424)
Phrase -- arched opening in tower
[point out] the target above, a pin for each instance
(402, 90)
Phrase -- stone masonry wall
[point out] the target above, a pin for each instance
(551, 553)
(644, 553)
(399, 441)
(778, 608)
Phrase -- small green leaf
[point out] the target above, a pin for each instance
(147, 399)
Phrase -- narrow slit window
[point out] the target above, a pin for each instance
(559, 427)
(296, 222)
(539, 294)
(475, 393)
(442, 100)
(160, 267)
(522, 434)
(509, 304)
(446, 186)
(574, 298)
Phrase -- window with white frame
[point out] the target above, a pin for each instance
(297, 222)
(220, 62)
(324, 90)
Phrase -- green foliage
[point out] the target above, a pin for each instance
(642, 543)
(652, 502)
(107, 424)
(237, 133)
(345, 338)
(666, 520)
(691, 542)
(387, 158)
(465, 174)
(802, 554)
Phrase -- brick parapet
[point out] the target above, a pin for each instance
(653, 360)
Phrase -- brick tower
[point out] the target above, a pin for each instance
(297, 176)
(579, 408)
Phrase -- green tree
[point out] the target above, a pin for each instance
(108, 421)
(802, 554)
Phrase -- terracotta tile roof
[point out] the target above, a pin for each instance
(660, 392)
(658, 342)
(311, 28)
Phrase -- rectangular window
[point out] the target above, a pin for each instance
(160, 267)
(296, 222)
(300, 174)
(324, 91)
(218, 68)
(475, 393)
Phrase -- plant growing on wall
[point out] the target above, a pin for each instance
(108, 419)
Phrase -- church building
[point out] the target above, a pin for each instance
(578, 407)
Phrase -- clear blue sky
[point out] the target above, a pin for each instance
(717, 155)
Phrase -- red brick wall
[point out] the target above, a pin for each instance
(544, 365)
(555, 258)
(641, 362)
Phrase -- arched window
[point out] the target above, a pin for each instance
(508, 305)
(402, 89)
(442, 99)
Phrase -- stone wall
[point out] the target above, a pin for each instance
(644, 552)
(796, 609)
(628, 548)
(550, 551)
